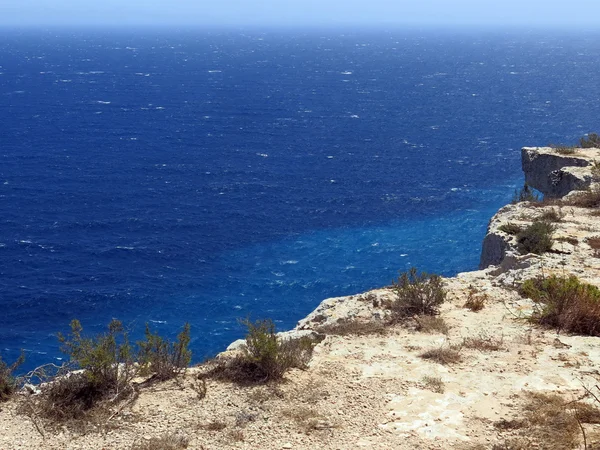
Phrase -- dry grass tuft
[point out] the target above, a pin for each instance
(484, 343)
(549, 423)
(475, 301)
(585, 199)
(308, 419)
(593, 242)
(215, 425)
(510, 228)
(571, 240)
(431, 325)
(169, 441)
(551, 215)
(353, 328)
(434, 384)
(443, 355)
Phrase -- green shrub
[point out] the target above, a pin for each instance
(565, 303)
(592, 141)
(536, 238)
(525, 194)
(100, 368)
(419, 294)
(107, 359)
(164, 359)
(8, 384)
(510, 228)
(265, 357)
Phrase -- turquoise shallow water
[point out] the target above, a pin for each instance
(166, 177)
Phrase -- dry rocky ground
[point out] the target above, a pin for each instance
(375, 390)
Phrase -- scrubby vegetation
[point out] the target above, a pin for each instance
(565, 149)
(510, 228)
(434, 384)
(584, 199)
(8, 383)
(431, 324)
(100, 368)
(475, 300)
(353, 327)
(419, 294)
(100, 372)
(164, 359)
(264, 357)
(591, 141)
(484, 343)
(525, 194)
(549, 422)
(443, 355)
(565, 303)
(169, 441)
(536, 238)
(551, 215)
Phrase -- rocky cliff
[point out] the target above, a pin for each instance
(511, 385)
(554, 175)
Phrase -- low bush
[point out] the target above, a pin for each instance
(565, 303)
(100, 368)
(8, 383)
(510, 228)
(591, 141)
(536, 238)
(265, 357)
(525, 194)
(100, 372)
(416, 294)
(162, 358)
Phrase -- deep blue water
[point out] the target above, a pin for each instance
(202, 177)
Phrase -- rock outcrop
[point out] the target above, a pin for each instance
(555, 175)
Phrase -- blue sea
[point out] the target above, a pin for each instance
(165, 176)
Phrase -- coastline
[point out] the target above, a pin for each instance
(375, 390)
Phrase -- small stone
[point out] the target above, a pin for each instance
(287, 445)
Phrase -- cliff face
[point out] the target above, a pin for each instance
(553, 174)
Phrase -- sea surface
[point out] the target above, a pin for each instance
(173, 176)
